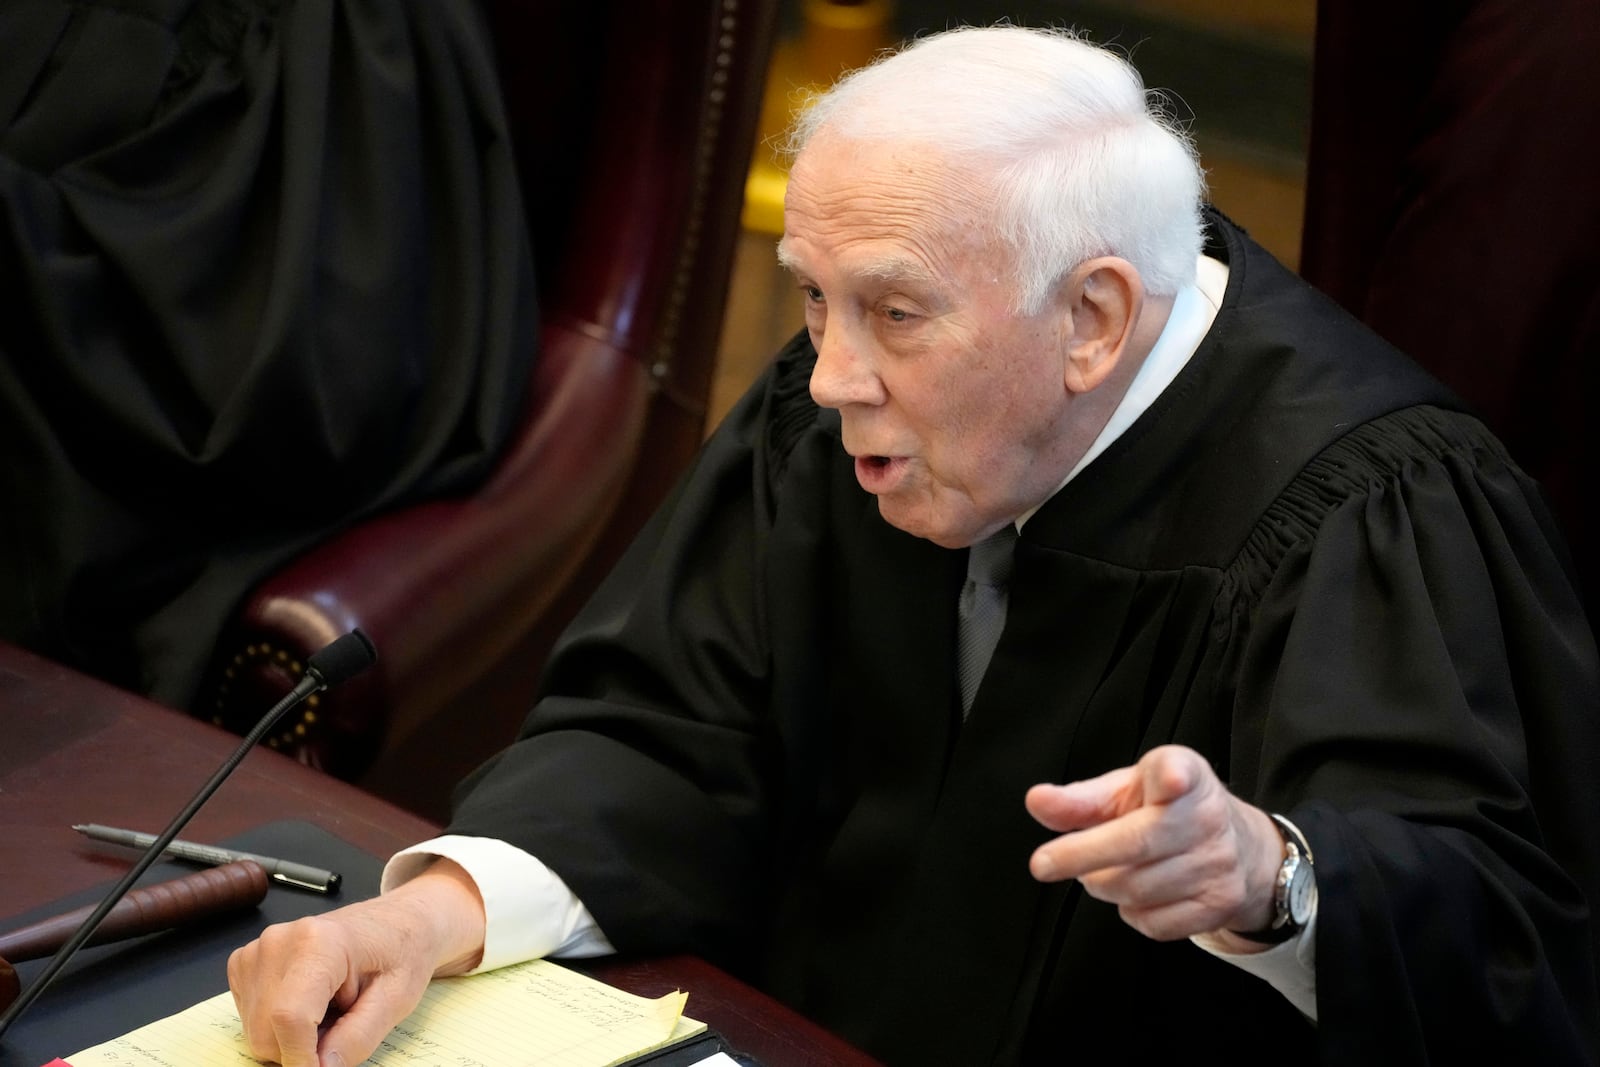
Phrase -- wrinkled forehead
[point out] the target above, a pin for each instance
(845, 193)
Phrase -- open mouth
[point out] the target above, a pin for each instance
(880, 474)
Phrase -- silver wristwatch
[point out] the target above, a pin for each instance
(1294, 894)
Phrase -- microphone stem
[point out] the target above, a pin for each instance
(309, 683)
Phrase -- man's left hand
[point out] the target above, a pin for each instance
(1166, 843)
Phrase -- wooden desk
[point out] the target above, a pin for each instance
(74, 750)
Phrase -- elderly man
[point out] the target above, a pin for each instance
(1291, 627)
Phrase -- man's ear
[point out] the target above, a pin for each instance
(1103, 299)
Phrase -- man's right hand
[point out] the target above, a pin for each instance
(360, 969)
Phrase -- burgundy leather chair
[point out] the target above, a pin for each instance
(634, 124)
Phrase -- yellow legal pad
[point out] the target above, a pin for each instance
(533, 1013)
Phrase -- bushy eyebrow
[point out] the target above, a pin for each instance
(786, 258)
(891, 269)
(898, 269)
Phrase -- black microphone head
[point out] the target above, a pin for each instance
(342, 658)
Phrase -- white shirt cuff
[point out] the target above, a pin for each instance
(1290, 968)
(528, 910)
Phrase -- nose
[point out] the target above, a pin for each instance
(844, 373)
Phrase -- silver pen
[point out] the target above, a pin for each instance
(296, 874)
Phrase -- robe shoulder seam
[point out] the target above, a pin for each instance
(1371, 456)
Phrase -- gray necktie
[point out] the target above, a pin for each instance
(982, 612)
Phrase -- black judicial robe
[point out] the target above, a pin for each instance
(1301, 560)
(263, 270)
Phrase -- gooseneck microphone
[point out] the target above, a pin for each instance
(338, 661)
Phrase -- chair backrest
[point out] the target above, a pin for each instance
(633, 126)
(634, 130)
(656, 104)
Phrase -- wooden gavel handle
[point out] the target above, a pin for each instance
(230, 887)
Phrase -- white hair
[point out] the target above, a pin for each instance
(1080, 159)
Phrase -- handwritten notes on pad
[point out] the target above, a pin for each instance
(534, 1013)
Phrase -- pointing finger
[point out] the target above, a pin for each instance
(1085, 803)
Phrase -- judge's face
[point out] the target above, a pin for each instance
(953, 406)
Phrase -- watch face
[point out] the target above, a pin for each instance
(1302, 892)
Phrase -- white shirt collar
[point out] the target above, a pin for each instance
(1193, 311)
